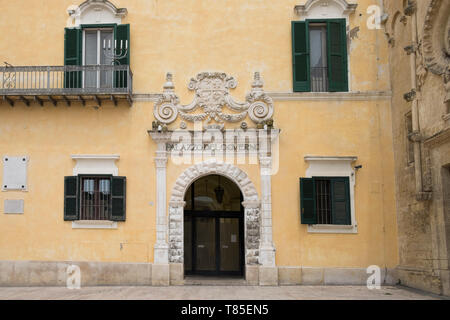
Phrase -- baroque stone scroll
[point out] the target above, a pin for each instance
(212, 96)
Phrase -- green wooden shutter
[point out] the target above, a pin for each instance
(308, 201)
(72, 56)
(340, 201)
(122, 33)
(300, 56)
(71, 198)
(118, 198)
(337, 55)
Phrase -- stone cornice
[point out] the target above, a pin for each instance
(95, 157)
(347, 8)
(299, 96)
(118, 12)
(160, 137)
(438, 139)
(326, 158)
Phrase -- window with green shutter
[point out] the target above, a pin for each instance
(122, 36)
(337, 55)
(71, 199)
(94, 197)
(340, 199)
(118, 193)
(300, 56)
(94, 45)
(308, 201)
(72, 57)
(319, 56)
(325, 200)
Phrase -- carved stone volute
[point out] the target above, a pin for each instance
(212, 96)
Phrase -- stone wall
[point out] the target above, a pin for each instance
(419, 67)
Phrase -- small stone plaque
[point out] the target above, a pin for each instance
(14, 206)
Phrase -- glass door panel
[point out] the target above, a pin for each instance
(229, 244)
(106, 77)
(318, 49)
(90, 58)
(205, 244)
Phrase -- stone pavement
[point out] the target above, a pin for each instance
(215, 293)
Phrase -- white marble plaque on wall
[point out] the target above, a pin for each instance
(14, 173)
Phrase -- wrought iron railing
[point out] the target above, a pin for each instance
(319, 79)
(66, 80)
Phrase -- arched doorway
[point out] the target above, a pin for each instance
(214, 227)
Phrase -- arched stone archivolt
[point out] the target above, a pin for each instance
(214, 167)
(251, 208)
(318, 8)
(436, 37)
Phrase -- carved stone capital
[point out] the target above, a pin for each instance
(160, 137)
(265, 162)
(161, 162)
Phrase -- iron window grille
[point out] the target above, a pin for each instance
(323, 201)
(95, 198)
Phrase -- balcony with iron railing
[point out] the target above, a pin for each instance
(66, 84)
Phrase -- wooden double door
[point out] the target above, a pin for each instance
(214, 243)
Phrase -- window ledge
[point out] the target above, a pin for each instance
(95, 157)
(326, 158)
(94, 224)
(329, 228)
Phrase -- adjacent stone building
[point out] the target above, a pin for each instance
(419, 39)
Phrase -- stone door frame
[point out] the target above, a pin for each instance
(258, 242)
(251, 206)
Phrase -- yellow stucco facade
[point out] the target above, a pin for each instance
(187, 37)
